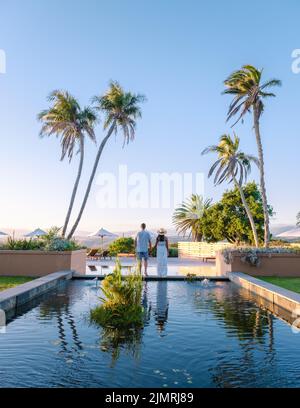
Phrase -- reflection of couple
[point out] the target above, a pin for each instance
(143, 245)
(161, 304)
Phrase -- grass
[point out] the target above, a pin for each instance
(286, 283)
(7, 282)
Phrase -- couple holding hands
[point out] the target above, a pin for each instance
(143, 246)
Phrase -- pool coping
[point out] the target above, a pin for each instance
(284, 298)
(21, 294)
(157, 278)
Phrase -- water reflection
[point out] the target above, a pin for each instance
(114, 340)
(162, 305)
(60, 310)
(253, 328)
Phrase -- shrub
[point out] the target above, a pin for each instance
(60, 244)
(121, 305)
(121, 245)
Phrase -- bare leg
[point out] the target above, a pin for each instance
(139, 265)
(145, 266)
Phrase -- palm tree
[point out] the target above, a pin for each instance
(245, 84)
(298, 219)
(187, 217)
(234, 166)
(66, 119)
(121, 110)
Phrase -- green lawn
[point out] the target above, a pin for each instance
(7, 282)
(287, 283)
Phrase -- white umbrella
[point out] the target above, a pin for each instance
(36, 233)
(102, 233)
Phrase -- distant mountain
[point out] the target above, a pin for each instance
(287, 232)
(291, 233)
(94, 242)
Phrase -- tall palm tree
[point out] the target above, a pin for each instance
(233, 166)
(66, 119)
(121, 109)
(187, 217)
(298, 219)
(249, 91)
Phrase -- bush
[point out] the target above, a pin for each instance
(121, 245)
(121, 305)
(173, 252)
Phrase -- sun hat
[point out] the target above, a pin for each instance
(161, 231)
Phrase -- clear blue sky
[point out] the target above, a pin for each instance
(175, 52)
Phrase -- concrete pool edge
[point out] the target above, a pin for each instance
(158, 278)
(21, 294)
(284, 298)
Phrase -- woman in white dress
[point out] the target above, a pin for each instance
(162, 252)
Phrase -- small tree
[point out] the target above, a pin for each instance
(227, 219)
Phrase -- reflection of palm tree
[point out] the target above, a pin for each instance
(59, 308)
(162, 305)
(250, 325)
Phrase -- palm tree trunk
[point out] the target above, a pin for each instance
(101, 147)
(250, 217)
(262, 176)
(75, 186)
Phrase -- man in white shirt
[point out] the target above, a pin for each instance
(142, 247)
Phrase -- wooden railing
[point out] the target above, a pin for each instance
(202, 250)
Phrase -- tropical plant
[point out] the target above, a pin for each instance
(248, 91)
(66, 119)
(298, 219)
(121, 110)
(121, 305)
(232, 166)
(187, 218)
(52, 241)
(22, 244)
(121, 245)
(227, 218)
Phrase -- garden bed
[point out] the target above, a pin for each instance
(271, 262)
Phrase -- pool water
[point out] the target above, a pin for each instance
(195, 335)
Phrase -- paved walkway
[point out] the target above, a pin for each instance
(176, 266)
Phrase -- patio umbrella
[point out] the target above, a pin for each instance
(36, 233)
(102, 233)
